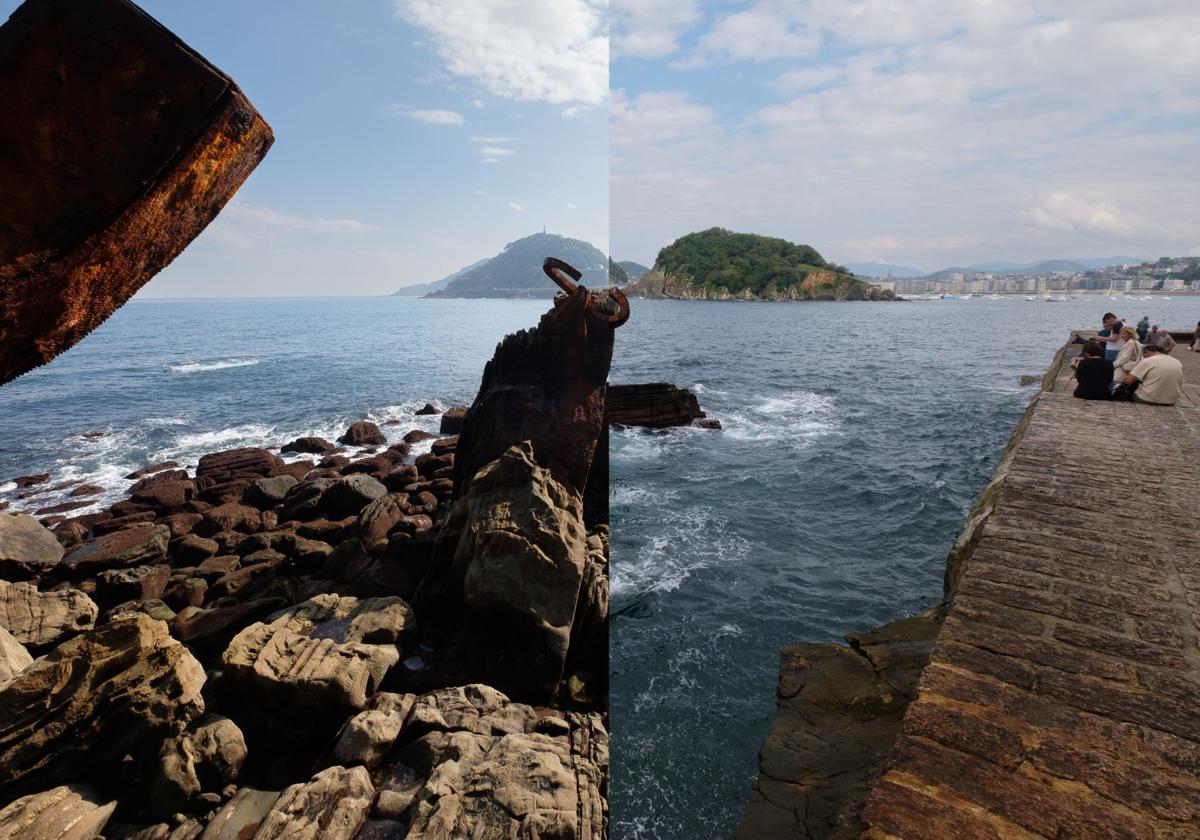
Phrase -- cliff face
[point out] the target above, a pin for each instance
(822, 284)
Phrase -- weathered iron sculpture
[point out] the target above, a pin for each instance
(118, 145)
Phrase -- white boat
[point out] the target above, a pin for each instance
(993, 297)
(1054, 299)
(1032, 297)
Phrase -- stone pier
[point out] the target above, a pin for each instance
(1061, 697)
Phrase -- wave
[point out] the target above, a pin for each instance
(197, 367)
(683, 542)
(796, 417)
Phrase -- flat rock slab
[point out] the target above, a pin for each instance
(1061, 695)
(121, 144)
(27, 549)
(67, 812)
(42, 619)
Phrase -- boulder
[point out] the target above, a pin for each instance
(519, 550)
(13, 657)
(165, 495)
(98, 697)
(309, 446)
(241, 816)
(428, 408)
(486, 767)
(67, 812)
(213, 627)
(27, 548)
(87, 490)
(320, 656)
(134, 584)
(244, 462)
(377, 466)
(163, 477)
(332, 805)
(378, 518)
(363, 433)
(231, 516)
(656, 405)
(193, 550)
(152, 468)
(452, 421)
(368, 737)
(304, 500)
(181, 523)
(136, 546)
(418, 435)
(205, 758)
(30, 480)
(43, 619)
(268, 492)
(349, 495)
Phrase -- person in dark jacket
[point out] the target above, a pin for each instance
(1094, 373)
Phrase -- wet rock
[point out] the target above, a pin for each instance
(212, 628)
(268, 492)
(240, 817)
(231, 516)
(181, 523)
(656, 405)
(316, 657)
(153, 468)
(67, 812)
(400, 477)
(96, 698)
(298, 470)
(134, 584)
(243, 582)
(13, 658)
(187, 593)
(444, 446)
(136, 546)
(120, 523)
(165, 496)
(309, 446)
(62, 507)
(428, 408)
(27, 548)
(377, 467)
(397, 452)
(452, 421)
(349, 495)
(193, 550)
(87, 490)
(30, 480)
(333, 805)
(235, 463)
(307, 553)
(162, 477)
(43, 619)
(363, 433)
(332, 532)
(430, 463)
(418, 435)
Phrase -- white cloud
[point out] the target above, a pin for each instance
(478, 103)
(650, 28)
(928, 131)
(520, 208)
(496, 151)
(244, 224)
(575, 111)
(490, 139)
(537, 50)
(436, 116)
(479, 192)
(490, 160)
(571, 206)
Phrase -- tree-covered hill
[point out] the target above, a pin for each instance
(717, 264)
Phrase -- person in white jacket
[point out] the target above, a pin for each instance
(1128, 357)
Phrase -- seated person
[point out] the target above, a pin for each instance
(1094, 373)
(1160, 378)
(1165, 343)
(1127, 357)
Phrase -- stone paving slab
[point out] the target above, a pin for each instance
(1062, 696)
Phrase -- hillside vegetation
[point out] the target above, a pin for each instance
(718, 264)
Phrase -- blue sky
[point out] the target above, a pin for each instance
(410, 139)
(909, 131)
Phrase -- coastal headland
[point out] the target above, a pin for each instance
(1052, 691)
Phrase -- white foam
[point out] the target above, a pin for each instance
(249, 434)
(684, 541)
(796, 417)
(197, 367)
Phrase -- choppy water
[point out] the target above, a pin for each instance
(176, 379)
(857, 437)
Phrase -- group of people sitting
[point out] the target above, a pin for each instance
(1131, 363)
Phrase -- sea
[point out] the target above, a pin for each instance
(855, 437)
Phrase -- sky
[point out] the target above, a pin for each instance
(412, 138)
(914, 132)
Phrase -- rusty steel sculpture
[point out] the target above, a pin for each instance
(118, 145)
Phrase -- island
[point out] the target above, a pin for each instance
(718, 264)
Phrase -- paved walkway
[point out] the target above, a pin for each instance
(1062, 698)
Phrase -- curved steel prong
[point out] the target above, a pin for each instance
(555, 269)
(622, 308)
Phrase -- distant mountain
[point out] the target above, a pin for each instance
(633, 270)
(878, 269)
(1043, 267)
(421, 289)
(516, 272)
(616, 275)
(718, 264)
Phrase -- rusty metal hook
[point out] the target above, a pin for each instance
(554, 269)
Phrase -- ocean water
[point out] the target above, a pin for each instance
(173, 380)
(856, 438)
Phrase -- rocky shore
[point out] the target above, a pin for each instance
(820, 285)
(389, 646)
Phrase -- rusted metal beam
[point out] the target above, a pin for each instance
(118, 145)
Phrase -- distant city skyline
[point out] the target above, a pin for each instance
(412, 138)
(913, 132)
